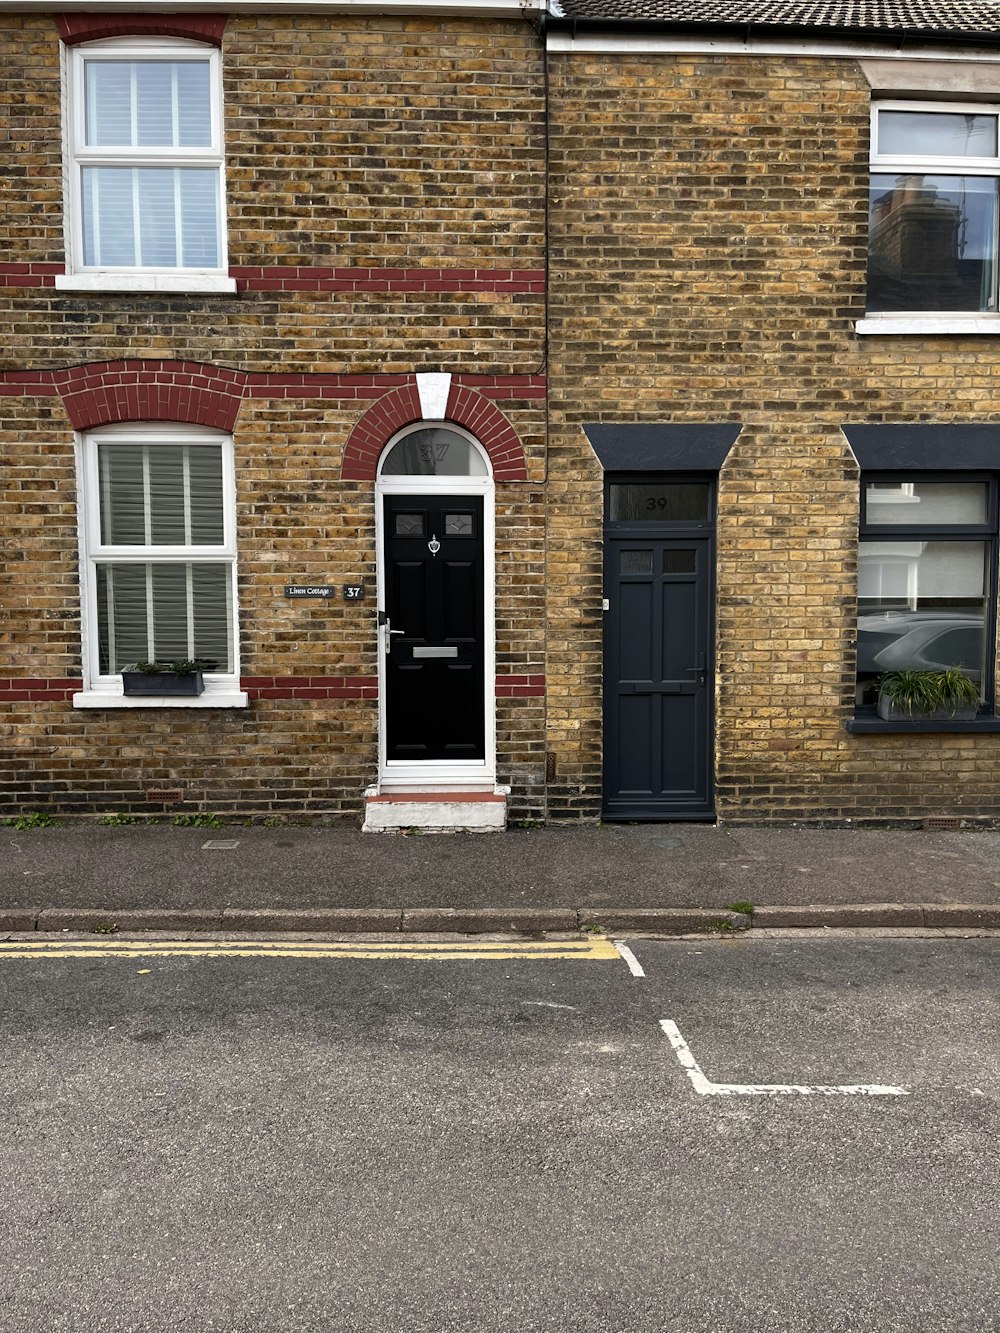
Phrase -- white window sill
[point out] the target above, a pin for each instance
(917, 324)
(115, 699)
(193, 283)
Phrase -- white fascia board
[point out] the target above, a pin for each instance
(417, 8)
(832, 48)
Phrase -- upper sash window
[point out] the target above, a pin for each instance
(145, 159)
(933, 209)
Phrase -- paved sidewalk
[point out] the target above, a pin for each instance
(664, 877)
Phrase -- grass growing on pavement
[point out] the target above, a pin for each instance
(21, 822)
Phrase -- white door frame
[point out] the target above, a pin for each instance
(433, 774)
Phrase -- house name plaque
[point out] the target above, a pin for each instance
(309, 590)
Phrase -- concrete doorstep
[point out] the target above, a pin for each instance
(515, 920)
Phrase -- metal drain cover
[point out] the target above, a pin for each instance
(220, 844)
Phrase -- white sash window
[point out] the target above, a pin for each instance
(159, 557)
(145, 167)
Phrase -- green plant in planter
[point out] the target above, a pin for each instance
(184, 667)
(183, 677)
(948, 693)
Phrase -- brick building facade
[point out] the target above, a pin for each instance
(709, 236)
(659, 452)
(383, 222)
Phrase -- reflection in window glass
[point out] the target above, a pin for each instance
(921, 606)
(434, 451)
(936, 134)
(913, 503)
(932, 243)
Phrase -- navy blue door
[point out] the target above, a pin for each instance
(434, 604)
(657, 677)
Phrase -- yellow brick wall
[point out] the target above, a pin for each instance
(708, 231)
(361, 143)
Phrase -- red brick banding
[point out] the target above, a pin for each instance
(295, 278)
(21, 689)
(520, 687)
(310, 687)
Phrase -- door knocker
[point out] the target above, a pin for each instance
(434, 545)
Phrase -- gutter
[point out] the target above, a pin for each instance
(395, 8)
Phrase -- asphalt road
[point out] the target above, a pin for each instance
(269, 1145)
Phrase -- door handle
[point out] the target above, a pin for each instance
(389, 632)
(701, 669)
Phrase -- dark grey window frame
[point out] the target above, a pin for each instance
(865, 717)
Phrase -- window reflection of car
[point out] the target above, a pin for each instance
(920, 641)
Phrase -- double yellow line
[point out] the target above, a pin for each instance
(378, 950)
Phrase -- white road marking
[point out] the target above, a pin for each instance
(706, 1088)
(629, 957)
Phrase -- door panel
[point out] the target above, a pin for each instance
(657, 680)
(434, 668)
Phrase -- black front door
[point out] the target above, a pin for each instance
(658, 662)
(434, 638)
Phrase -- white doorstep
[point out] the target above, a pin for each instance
(436, 812)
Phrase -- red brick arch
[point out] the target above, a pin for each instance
(401, 407)
(94, 27)
(104, 392)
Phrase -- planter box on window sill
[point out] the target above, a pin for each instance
(890, 712)
(163, 683)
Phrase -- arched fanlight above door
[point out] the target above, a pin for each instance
(434, 451)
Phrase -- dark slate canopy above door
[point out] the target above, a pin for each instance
(662, 446)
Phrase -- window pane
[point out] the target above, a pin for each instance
(636, 562)
(108, 217)
(206, 499)
(436, 452)
(913, 503)
(194, 104)
(937, 134)
(161, 495)
(155, 102)
(921, 606)
(932, 243)
(108, 102)
(679, 562)
(147, 104)
(199, 204)
(165, 196)
(659, 502)
(409, 525)
(123, 508)
(157, 217)
(164, 611)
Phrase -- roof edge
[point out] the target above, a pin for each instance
(564, 23)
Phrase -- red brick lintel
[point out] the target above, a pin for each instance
(300, 278)
(83, 26)
(14, 689)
